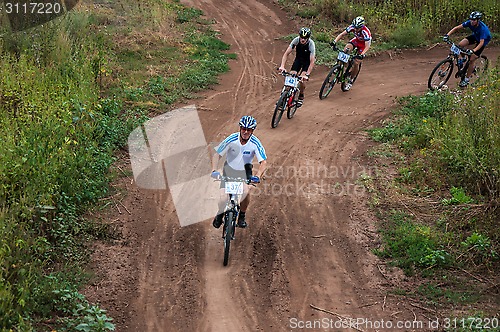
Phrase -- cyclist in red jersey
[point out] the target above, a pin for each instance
(362, 40)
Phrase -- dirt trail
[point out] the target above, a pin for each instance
(310, 232)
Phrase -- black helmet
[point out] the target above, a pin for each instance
(305, 33)
(475, 16)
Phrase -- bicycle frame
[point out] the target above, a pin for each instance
(457, 52)
(288, 98)
(346, 63)
(443, 70)
(291, 86)
(340, 72)
(234, 187)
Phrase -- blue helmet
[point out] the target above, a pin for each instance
(248, 121)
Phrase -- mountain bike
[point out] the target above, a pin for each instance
(459, 57)
(288, 98)
(340, 73)
(234, 188)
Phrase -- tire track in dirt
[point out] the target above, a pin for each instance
(300, 249)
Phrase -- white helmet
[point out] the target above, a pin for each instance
(358, 22)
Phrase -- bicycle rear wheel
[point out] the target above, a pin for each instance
(440, 74)
(279, 109)
(228, 234)
(329, 82)
(292, 105)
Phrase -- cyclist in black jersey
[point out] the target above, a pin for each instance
(304, 58)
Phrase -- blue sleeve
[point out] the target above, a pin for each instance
(466, 24)
(261, 152)
(222, 147)
(484, 33)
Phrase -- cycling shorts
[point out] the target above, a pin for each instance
(360, 45)
(234, 173)
(472, 40)
(300, 65)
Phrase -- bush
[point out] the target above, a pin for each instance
(408, 33)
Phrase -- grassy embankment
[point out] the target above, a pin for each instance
(71, 91)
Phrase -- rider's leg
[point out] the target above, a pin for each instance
(302, 88)
(464, 43)
(220, 211)
(355, 67)
(244, 206)
(348, 49)
(473, 60)
(472, 64)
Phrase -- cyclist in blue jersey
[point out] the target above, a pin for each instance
(305, 57)
(480, 37)
(240, 149)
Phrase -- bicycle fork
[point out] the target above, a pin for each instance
(233, 208)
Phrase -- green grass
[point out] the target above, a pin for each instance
(71, 92)
(400, 24)
(411, 245)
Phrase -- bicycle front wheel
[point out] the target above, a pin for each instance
(292, 105)
(329, 82)
(440, 74)
(279, 109)
(228, 234)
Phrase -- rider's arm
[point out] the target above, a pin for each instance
(311, 64)
(342, 34)
(312, 58)
(262, 168)
(368, 43)
(478, 47)
(215, 161)
(458, 27)
(285, 56)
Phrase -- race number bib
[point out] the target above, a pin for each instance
(291, 81)
(234, 188)
(455, 49)
(344, 57)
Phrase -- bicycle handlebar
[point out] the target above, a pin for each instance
(286, 73)
(231, 179)
(352, 55)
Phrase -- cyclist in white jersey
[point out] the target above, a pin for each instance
(239, 149)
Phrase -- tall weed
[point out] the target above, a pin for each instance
(467, 141)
